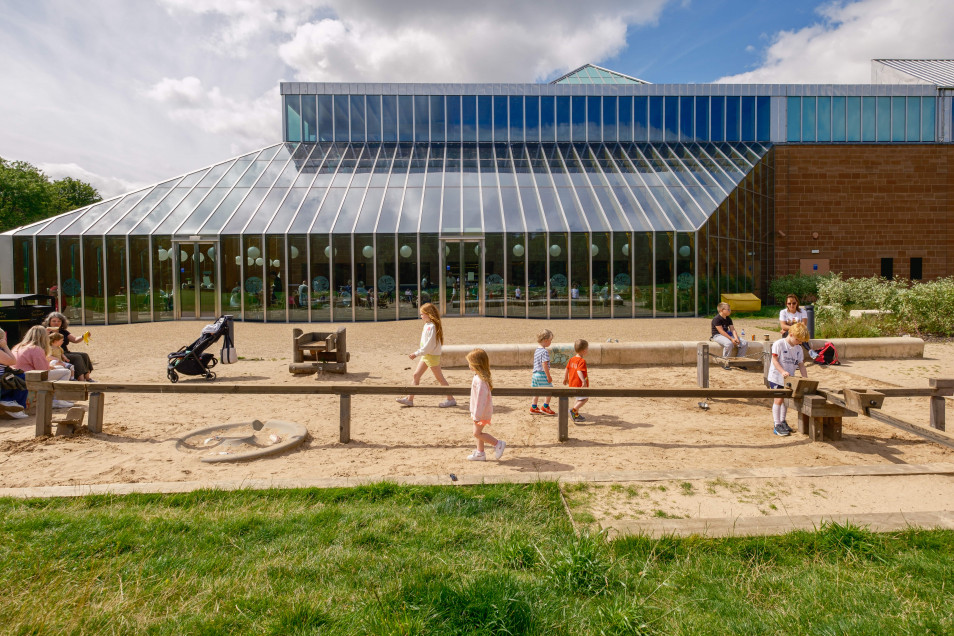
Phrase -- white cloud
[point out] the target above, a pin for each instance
(840, 46)
(106, 186)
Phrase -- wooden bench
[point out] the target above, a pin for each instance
(319, 351)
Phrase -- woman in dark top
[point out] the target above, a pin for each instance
(82, 365)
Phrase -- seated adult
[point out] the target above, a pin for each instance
(791, 314)
(11, 396)
(724, 333)
(33, 353)
(82, 365)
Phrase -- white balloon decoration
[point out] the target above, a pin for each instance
(251, 261)
(184, 256)
(367, 251)
(211, 253)
(518, 250)
(328, 252)
(201, 257)
(684, 251)
(594, 250)
(276, 263)
(238, 260)
(446, 251)
(555, 251)
(625, 249)
(254, 252)
(293, 251)
(477, 249)
(163, 254)
(259, 261)
(406, 251)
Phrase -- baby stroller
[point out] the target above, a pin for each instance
(192, 359)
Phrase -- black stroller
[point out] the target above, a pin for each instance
(192, 359)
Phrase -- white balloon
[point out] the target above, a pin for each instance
(238, 260)
(447, 250)
(518, 250)
(251, 261)
(367, 251)
(184, 256)
(276, 263)
(293, 251)
(594, 250)
(254, 252)
(201, 257)
(625, 249)
(163, 254)
(259, 261)
(477, 249)
(211, 252)
(555, 251)
(684, 251)
(406, 251)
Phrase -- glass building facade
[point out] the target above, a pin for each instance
(595, 196)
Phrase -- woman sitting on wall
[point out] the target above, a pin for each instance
(82, 365)
(13, 393)
(33, 355)
(791, 314)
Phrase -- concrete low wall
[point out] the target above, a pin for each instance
(671, 353)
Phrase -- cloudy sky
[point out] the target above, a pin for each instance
(123, 93)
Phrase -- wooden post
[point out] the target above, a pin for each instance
(44, 413)
(97, 402)
(563, 412)
(766, 365)
(341, 349)
(942, 387)
(702, 365)
(296, 352)
(344, 431)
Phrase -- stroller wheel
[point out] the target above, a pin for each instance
(210, 375)
(173, 376)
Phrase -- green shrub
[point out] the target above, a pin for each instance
(805, 286)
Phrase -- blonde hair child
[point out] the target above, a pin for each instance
(432, 339)
(787, 354)
(481, 405)
(540, 377)
(57, 358)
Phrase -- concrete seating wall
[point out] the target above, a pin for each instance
(671, 353)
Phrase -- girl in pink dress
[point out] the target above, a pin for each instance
(482, 406)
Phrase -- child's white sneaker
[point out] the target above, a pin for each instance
(477, 456)
(499, 448)
(447, 403)
(16, 414)
(62, 404)
(404, 401)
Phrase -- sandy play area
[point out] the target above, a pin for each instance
(140, 435)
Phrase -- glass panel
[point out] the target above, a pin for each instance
(389, 118)
(421, 118)
(625, 118)
(320, 286)
(748, 119)
(501, 124)
(853, 119)
(671, 118)
(471, 210)
(686, 117)
(309, 118)
(622, 295)
(702, 118)
(580, 275)
(884, 119)
(897, 118)
(548, 126)
(407, 283)
(495, 292)
(537, 274)
(927, 118)
(717, 121)
(559, 274)
(594, 119)
(293, 117)
(578, 118)
(117, 213)
(640, 118)
(838, 120)
(824, 119)
(516, 118)
(46, 275)
(604, 297)
(364, 276)
(431, 276)
(163, 260)
(685, 274)
(326, 118)
(373, 118)
(183, 210)
(94, 281)
(470, 278)
(357, 118)
(562, 118)
(71, 288)
(437, 118)
(384, 292)
(23, 265)
(450, 209)
(656, 119)
(664, 275)
(453, 118)
(342, 123)
(490, 199)
(485, 118)
(255, 285)
(732, 116)
(469, 118)
(274, 268)
(341, 277)
(140, 287)
(868, 119)
(232, 262)
(913, 128)
(532, 116)
(245, 211)
(117, 306)
(516, 284)
(808, 119)
(405, 118)
(763, 128)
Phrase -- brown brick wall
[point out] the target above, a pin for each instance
(866, 203)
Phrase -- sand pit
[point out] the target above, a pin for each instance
(140, 432)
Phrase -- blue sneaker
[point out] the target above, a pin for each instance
(781, 430)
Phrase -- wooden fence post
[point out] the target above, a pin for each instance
(344, 431)
(97, 402)
(563, 411)
(296, 352)
(942, 387)
(766, 365)
(702, 365)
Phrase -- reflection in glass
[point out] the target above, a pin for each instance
(232, 262)
(326, 121)
(516, 257)
(686, 117)
(292, 118)
(485, 118)
(763, 131)
(928, 107)
(897, 118)
(163, 262)
(309, 118)
(656, 117)
(732, 117)
(671, 118)
(884, 118)
(342, 123)
(453, 119)
(622, 275)
(838, 121)
(117, 302)
(140, 287)
(255, 285)
(625, 118)
(869, 119)
(320, 283)
(559, 274)
(407, 278)
(717, 120)
(437, 117)
(516, 118)
(640, 118)
(548, 126)
(501, 123)
(913, 128)
(384, 293)
(276, 281)
(748, 119)
(685, 274)
(405, 118)
(665, 302)
(364, 277)
(94, 288)
(562, 118)
(374, 118)
(594, 119)
(536, 256)
(853, 119)
(579, 276)
(532, 118)
(344, 288)
(469, 117)
(824, 119)
(602, 293)
(808, 119)
(389, 118)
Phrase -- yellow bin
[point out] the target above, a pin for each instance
(742, 302)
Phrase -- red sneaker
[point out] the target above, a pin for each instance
(536, 411)
(548, 410)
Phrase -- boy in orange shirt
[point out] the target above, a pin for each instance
(576, 376)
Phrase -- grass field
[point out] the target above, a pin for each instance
(389, 559)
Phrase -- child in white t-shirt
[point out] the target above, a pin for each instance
(787, 354)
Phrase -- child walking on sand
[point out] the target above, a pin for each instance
(786, 355)
(432, 338)
(576, 376)
(482, 406)
(541, 371)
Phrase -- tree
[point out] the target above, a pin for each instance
(27, 195)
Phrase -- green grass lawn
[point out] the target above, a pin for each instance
(406, 560)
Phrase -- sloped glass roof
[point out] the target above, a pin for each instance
(938, 72)
(591, 74)
(451, 189)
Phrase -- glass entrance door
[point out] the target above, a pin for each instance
(463, 281)
(197, 279)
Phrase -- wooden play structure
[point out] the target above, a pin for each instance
(318, 351)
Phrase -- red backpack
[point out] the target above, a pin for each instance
(827, 355)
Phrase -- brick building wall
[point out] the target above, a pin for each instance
(865, 203)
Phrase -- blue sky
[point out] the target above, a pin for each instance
(128, 93)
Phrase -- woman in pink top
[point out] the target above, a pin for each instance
(482, 406)
(32, 355)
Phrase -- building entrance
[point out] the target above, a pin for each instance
(196, 279)
(463, 289)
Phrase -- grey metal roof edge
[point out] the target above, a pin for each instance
(602, 68)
